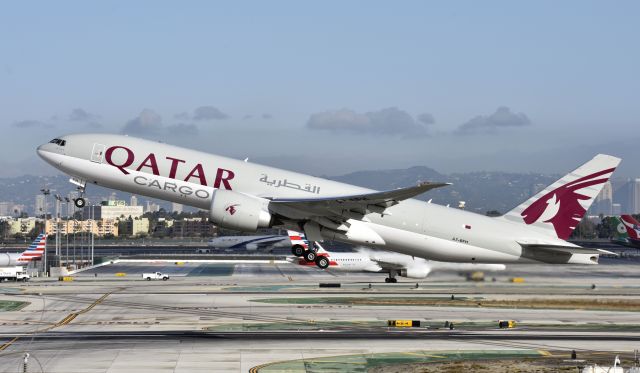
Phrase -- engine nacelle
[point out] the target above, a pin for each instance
(5, 260)
(415, 272)
(239, 211)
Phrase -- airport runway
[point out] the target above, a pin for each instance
(225, 317)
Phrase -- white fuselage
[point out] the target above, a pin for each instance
(249, 242)
(365, 260)
(11, 259)
(190, 177)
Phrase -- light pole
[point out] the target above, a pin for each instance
(92, 221)
(58, 243)
(66, 254)
(45, 191)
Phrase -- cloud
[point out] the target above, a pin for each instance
(426, 118)
(81, 115)
(267, 116)
(147, 122)
(208, 113)
(182, 116)
(389, 121)
(27, 124)
(502, 118)
(182, 129)
(247, 116)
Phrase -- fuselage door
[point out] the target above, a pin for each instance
(98, 153)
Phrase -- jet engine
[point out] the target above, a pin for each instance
(5, 260)
(415, 272)
(239, 211)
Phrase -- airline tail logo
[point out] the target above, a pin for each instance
(561, 207)
(231, 209)
(35, 250)
(631, 226)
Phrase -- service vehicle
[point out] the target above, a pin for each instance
(155, 276)
(17, 273)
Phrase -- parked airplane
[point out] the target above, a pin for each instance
(250, 243)
(627, 231)
(245, 196)
(394, 264)
(34, 251)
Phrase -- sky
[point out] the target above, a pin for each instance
(329, 87)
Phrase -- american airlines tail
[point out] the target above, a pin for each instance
(35, 250)
(558, 209)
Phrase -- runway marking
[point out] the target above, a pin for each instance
(67, 319)
(4, 346)
(544, 352)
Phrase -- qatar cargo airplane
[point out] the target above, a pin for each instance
(34, 251)
(245, 196)
(250, 243)
(627, 231)
(394, 264)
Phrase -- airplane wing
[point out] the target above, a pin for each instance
(387, 265)
(341, 208)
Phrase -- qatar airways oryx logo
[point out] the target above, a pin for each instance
(231, 209)
(561, 207)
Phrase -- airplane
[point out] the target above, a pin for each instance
(250, 243)
(34, 251)
(394, 264)
(627, 231)
(245, 196)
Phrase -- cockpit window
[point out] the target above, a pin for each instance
(58, 142)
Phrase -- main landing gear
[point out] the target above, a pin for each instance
(309, 255)
(297, 250)
(392, 278)
(322, 262)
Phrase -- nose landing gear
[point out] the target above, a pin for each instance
(79, 202)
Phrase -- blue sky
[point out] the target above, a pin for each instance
(329, 87)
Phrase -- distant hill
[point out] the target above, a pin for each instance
(482, 191)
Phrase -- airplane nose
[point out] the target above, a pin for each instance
(46, 153)
(41, 150)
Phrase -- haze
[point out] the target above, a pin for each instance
(329, 87)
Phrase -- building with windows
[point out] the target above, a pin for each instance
(100, 227)
(193, 227)
(134, 227)
(114, 209)
(22, 225)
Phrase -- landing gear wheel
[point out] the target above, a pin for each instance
(297, 250)
(310, 256)
(322, 262)
(79, 202)
(390, 280)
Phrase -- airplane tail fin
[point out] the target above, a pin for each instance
(559, 208)
(631, 226)
(298, 238)
(620, 230)
(35, 250)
